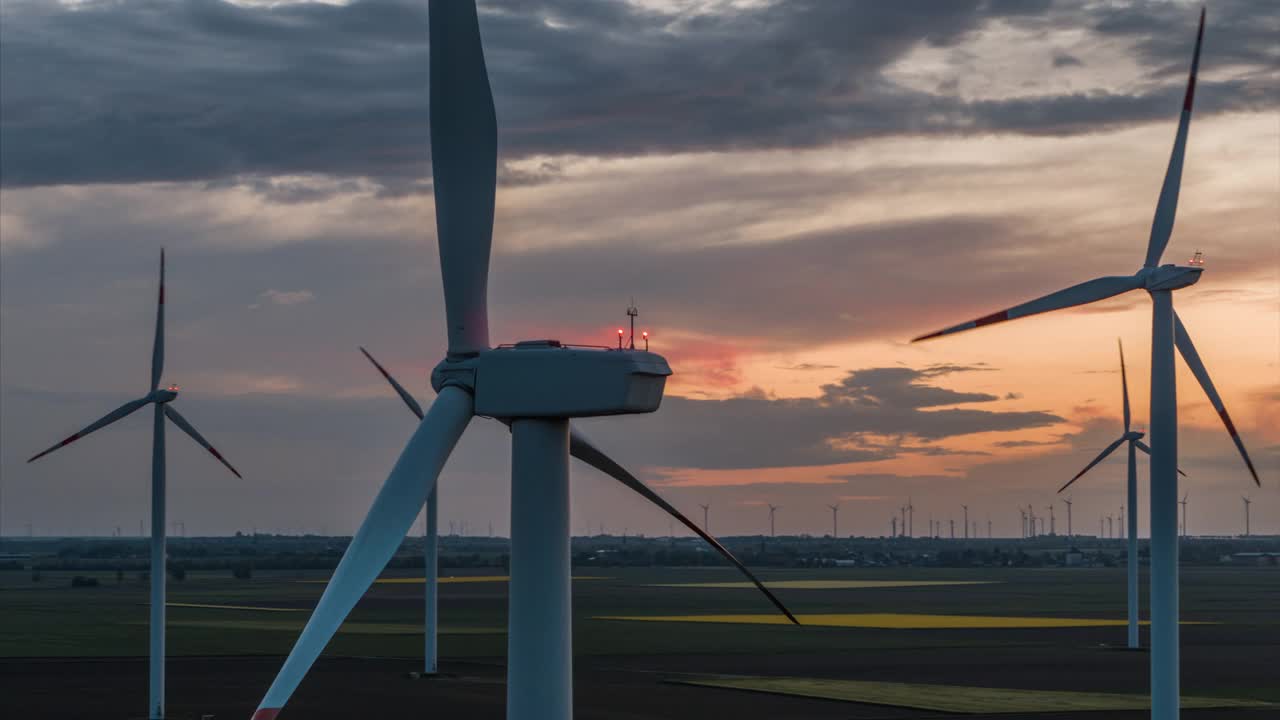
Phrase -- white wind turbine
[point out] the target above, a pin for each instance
(536, 386)
(582, 449)
(161, 399)
(1134, 439)
(1167, 332)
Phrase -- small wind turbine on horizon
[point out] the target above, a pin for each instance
(835, 525)
(1067, 502)
(1167, 332)
(966, 521)
(772, 510)
(162, 399)
(1183, 502)
(1247, 503)
(706, 517)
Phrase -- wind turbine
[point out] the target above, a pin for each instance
(835, 526)
(1183, 503)
(536, 386)
(162, 399)
(579, 448)
(1167, 332)
(966, 521)
(911, 518)
(903, 509)
(1247, 503)
(1024, 521)
(1053, 522)
(1067, 502)
(706, 515)
(772, 509)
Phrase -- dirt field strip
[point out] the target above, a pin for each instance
(888, 621)
(446, 580)
(831, 584)
(955, 698)
(350, 628)
(253, 608)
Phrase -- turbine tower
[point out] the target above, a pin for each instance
(835, 526)
(706, 517)
(772, 509)
(966, 521)
(1053, 522)
(1247, 503)
(1167, 332)
(536, 386)
(162, 399)
(579, 448)
(1023, 513)
(1067, 502)
(911, 518)
(903, 510)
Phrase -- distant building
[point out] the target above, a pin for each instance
(1074, 558)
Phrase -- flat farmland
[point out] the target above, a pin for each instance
(62, 647)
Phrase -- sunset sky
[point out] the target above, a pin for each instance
(790, 191)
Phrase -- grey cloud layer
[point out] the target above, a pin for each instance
(847, 423)
(202, 89)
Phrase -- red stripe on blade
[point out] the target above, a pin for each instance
(266, 714)
(1226, 420)
(992, 318)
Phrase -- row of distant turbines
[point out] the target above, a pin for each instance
(536, 387)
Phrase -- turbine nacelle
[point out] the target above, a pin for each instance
(545, 378)
(166, 395)
(1169, 277)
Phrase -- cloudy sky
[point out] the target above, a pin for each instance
(790, 191)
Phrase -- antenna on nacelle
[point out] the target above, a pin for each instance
(632, 312)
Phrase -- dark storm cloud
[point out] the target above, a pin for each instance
(202, 89)
(849, 422)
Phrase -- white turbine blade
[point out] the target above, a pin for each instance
(580, 447)
(157, 347)
(378, 538)
(1167, 206)
(404, 394)
(120, 412)
(1189, 354)
(1084, 293)
(187, 428)
(464, 142)
(1101, 456)
(1143, 447)
(1124, 385)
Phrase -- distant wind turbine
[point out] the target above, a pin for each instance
(1247, 503)
(1167, 332)
(835, 527)
(772, 510)
(1067, 502)
(161, 399)
(1183, 503)
(966, 521)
